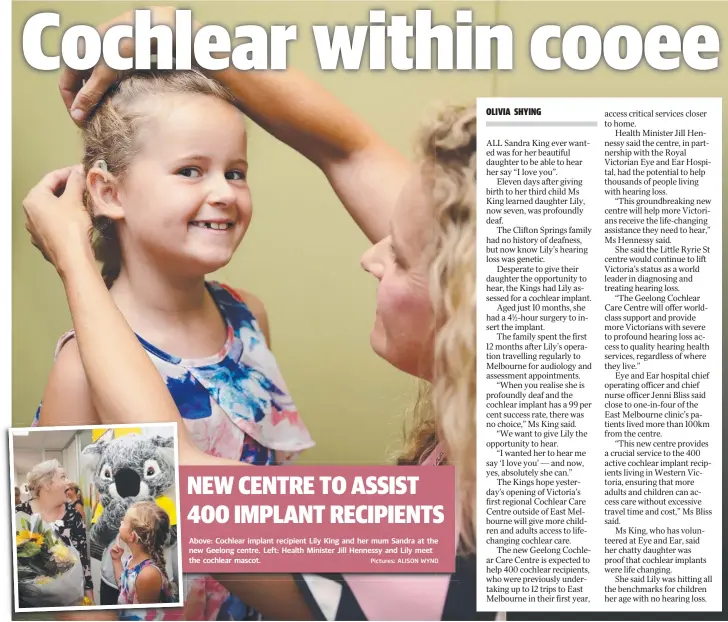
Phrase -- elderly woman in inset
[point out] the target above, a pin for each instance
(47, 483)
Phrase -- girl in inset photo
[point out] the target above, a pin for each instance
(141, 576)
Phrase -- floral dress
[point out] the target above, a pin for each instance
(72, 530)
(236, 405)
(127, 583)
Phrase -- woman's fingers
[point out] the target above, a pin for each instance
(70, 84)
(75, 183)
(81, 91)
(54, 211)
(55, 181)
(79, 97)
(92, 91)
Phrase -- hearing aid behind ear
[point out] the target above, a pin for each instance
(102, 165)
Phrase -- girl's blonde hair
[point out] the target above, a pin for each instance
(151, 525)
(445, 410)
(112, 134)
(40, 475)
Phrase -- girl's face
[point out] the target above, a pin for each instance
(185, 198)
(403, 328)
(125, 532)
(55, 490)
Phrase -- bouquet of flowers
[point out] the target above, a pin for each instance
(49, 572)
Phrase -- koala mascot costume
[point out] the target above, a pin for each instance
(127, 469)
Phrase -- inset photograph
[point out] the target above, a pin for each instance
(95, 517)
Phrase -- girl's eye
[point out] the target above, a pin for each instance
(189, 171)
(235, 175)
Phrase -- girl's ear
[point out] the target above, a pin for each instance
(104, 190)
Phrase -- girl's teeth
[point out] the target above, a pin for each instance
(213, 225)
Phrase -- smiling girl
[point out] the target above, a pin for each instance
(166, 184)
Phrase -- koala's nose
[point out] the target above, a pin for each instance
(127, 482)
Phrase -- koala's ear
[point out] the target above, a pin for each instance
(165, 448)
(161, 441)
(91, 454)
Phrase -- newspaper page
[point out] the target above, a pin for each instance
(599, 344)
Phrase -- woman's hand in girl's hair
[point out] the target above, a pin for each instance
(82, 90)
(55, 216)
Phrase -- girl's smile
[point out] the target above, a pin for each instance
(213, 225)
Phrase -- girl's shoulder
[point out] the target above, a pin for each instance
(149, 580)
(235, 297)
(148, 570)
(132, 568)
(67, 396)
(243, 309)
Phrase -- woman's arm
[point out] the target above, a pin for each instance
(97, 321)
(365, 172)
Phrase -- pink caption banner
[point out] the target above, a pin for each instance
(318, 519)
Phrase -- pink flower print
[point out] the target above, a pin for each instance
(290, 415)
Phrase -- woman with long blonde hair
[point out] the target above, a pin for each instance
(421, 219)
(75, 497)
